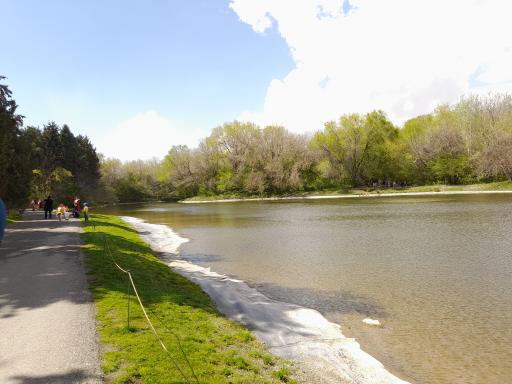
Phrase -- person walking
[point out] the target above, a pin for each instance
(3, 220)
(77, 208)
(86, 212)
(48, 207)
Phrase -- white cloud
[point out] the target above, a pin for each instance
(402, 56)
(144, 136)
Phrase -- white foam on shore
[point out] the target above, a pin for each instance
(161, 238)
(289, 331)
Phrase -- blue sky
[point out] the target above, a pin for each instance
(96, 64)
(140, 76)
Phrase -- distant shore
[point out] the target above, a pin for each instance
(348, 196)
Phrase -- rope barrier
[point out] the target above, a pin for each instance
(106, 249)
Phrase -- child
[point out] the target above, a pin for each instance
(60, 212)
(86, 212)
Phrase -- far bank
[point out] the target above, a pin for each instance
(426, 190)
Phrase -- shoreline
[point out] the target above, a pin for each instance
(290, 331)
(347, 196)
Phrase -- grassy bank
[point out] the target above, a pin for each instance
(12, 218)
(495, 186)
(219, 350)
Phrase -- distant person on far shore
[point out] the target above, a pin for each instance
(66, 212)
(3, 220)
(48, 207)
(86, 212)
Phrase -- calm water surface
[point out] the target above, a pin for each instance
(436, 271)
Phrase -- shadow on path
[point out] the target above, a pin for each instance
(72, 376)
(47, 320)
(40, 264)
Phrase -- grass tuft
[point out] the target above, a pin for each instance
(283, 375)
(13, 217)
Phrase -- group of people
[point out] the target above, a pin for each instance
(63, 210)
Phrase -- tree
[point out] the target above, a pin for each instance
(179, 171)
(354, 146)
(19, 171)
(85, 166)
(285, 160)
(496, 159)
(13, 145)
(454, 144)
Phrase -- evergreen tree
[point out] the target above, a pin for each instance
(13, 171)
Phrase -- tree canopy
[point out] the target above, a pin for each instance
(468, 142)
(455, 144)
(35, 163)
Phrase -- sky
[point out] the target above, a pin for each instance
(139, 77)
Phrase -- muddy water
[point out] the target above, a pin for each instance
(436, 271)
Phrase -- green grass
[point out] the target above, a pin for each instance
(219, 350)
(13, 217)
(221, 197)
(496, 186)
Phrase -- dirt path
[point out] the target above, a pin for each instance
(47, 319)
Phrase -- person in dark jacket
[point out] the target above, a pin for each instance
(48, 207)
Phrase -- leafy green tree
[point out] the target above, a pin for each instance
(355, 146)
(179, 169)
(131, 189)
(465, 142)
(452, 169)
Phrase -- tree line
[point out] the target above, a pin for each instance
(464, 143)
(37, 162)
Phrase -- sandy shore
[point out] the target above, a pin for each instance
(347, 196)
(303, 335)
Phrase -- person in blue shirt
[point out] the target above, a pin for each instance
(3, 220)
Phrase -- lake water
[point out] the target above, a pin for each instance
(436, 271)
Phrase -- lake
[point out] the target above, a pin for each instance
(435, 271)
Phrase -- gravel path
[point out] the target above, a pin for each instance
(47, 318)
